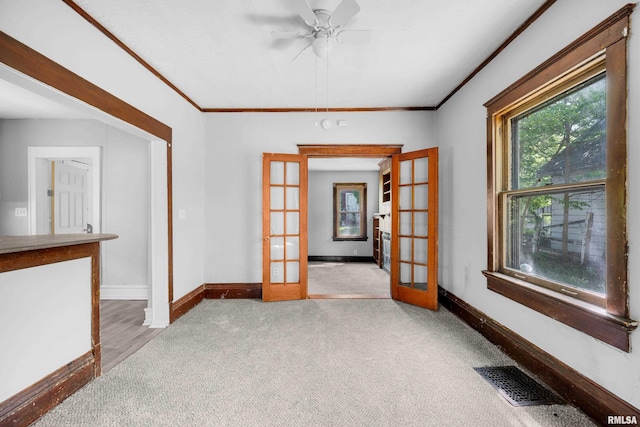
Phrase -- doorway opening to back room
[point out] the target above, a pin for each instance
(345, 193)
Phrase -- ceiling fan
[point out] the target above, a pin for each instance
(324, 28)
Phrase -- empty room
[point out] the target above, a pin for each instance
(319, 212)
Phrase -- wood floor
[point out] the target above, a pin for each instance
(121, 330)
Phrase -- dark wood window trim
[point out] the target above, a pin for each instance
(611, 323)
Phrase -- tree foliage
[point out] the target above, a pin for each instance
(547, 135)
(559, 141)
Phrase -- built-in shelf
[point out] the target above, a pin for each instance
(386, 187)
(376, 240)
(382, 239)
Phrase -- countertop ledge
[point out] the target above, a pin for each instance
(12, 244)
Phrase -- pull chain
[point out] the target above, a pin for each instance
(316, 90)
(327, 78)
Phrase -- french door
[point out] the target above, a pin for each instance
(414, 228)
(284, 227)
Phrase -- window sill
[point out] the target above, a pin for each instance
(587, 318)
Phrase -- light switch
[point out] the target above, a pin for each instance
(182, 214)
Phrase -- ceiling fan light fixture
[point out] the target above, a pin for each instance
(321, 46)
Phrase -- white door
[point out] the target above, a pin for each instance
(70, 201)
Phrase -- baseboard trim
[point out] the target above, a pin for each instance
(36, 400)
(594, 400)
(340, 258)
(122, 292)
(232, 290)
(182, 305)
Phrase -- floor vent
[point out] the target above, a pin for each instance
(517, 387)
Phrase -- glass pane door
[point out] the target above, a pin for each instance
(284, 207)
(414, 219)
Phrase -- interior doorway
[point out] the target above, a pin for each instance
(413, 191)
(36, 73)
(338, 267)
(346, 157)
(42, 200)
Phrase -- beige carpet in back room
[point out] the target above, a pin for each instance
(353, 278)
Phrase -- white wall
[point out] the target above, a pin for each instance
(125, 191)
(463, 229)
(320, 218)
(34, 325)
(56, 31)
(234, 147)
(126, 212)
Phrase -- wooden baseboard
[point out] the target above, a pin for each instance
(340, 258)
(33, 402)
(181, 306)
(590, 397)
(232, 290)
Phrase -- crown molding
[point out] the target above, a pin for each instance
(546, 5)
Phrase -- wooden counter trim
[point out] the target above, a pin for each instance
(30, 404)
(11, 244)
(33, 402)
(34, 258)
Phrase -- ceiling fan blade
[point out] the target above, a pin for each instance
(301, 52)
(355, 37)
(346, 10)
(288, 35)
(302, 8)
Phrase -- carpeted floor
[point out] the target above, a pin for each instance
(353, 278)
(369, 362)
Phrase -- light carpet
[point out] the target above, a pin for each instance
(306, 363)
(352, 278)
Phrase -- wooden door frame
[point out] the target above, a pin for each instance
(18, 57)
(349, 150)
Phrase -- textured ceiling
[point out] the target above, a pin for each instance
(220, 53)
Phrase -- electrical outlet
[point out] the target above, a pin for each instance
(275, 272)
(21, 211)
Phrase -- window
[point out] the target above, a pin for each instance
(349, 211)
(557, 186)
(553, 197)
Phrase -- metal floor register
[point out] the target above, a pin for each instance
(517, 387)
